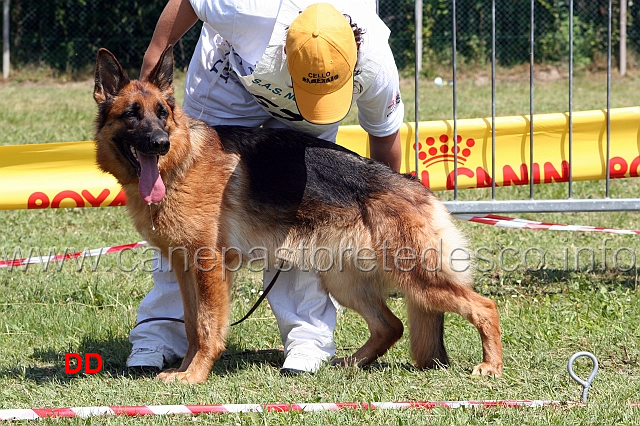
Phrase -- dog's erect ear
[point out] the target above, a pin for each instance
(162, 74)
(109, 78)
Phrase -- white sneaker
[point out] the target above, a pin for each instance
(144, 357)
(297, 363)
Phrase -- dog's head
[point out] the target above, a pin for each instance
(134, 123)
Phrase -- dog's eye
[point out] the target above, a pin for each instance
(132, 114)
(163, 113)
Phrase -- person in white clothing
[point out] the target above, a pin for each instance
(290, 64)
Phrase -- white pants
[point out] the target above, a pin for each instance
(305, 313)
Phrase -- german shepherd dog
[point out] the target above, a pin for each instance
(192, 186)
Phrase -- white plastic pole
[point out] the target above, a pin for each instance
(5, 38)
(623, 37)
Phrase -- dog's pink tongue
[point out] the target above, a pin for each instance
(151, 186)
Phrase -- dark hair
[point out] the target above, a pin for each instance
(357, 34)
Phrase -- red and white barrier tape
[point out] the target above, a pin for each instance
(87, 253)
(493, 220)
(39, 413)
(510, 222)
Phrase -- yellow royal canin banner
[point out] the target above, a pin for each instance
(59, 175)
(551, 148)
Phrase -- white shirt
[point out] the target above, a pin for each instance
(243, 41)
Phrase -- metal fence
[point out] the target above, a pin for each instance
(531, 204)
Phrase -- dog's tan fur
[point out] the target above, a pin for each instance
(209, 202)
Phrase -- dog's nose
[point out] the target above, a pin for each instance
(160, 143)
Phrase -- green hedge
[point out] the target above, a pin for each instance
(66, 34)
(512, 30)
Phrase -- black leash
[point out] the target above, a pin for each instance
(158, 319)
(260, 299)
(248, 314)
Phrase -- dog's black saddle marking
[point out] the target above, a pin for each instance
(287, 166)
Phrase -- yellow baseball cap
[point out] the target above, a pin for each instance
(321, 55)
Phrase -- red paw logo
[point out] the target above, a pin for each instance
(440, 151)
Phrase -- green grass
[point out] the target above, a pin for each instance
(546, 315)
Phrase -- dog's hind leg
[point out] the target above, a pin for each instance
(426, 331)
(369, 300)
(205, 296)
(442, 295)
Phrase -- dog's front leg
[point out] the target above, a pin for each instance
(205, 295)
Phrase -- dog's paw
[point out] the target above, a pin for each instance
(172, 375)
(487, 369)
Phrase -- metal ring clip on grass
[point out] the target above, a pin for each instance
(586, 384)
